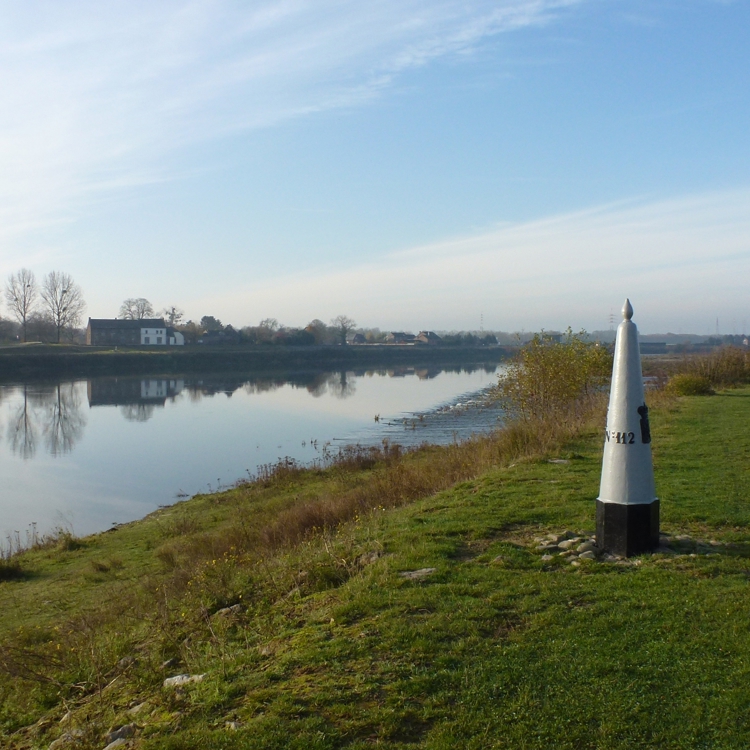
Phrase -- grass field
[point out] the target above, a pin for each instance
(331, 646)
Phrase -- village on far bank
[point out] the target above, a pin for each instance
(52, 311)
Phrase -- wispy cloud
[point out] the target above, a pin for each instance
(683, 262)
(98, 96)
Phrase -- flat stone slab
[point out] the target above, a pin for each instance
(415, 575)
(183, 679)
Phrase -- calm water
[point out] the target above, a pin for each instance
(91, 453)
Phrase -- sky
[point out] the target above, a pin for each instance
(413, 164)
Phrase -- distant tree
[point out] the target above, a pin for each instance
(21, 295)
(209, 323)
(40, 327)
(191, 331)
(62, 300)
(173, 315)
(298, 337)
(136, 308)
(270, 324)
(342, 325)
(318, 329)
(268, 331)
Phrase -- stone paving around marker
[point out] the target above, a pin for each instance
(576, 547)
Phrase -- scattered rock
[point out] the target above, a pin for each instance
(586, 547)
(415, 575)
(232, 725)
(123, 733)
(575, 563)
(547, 558)
(183, 679)
(369, 557)
(61, 741)
(589, 555)
(126, 661)
(66, 739)
(568, 543)
(135, 710)
(119, 742)
(235, 609)
(548, 547)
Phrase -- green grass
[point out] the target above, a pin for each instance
(333, 648)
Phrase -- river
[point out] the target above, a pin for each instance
(88, 454)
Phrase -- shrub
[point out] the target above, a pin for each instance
(551, 380)
(723, 367)
(10, 569)
(688, 384)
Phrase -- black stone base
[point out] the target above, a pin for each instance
(627, 530)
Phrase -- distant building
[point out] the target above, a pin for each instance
(428, 337)
(146, 332)
(399, 337)
(358, 338)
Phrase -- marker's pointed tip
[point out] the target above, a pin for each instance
(627, 310)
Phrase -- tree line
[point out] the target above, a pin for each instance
(51, 309)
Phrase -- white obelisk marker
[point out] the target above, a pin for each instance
(627, 509)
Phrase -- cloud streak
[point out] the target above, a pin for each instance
(684, 262)
(101, 96)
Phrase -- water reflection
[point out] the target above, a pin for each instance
(52, 415)
(112, 449)
(136, 398)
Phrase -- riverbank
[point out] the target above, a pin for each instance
(428, 619)
(45, 361)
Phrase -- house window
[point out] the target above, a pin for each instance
(158, 339)
(146, 340)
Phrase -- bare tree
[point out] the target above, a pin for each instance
(62, 300)
(343, 326)
(173, 315)
(136, 308)
(21, 295)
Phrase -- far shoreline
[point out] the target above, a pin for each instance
(61, 361)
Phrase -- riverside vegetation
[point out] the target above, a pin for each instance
(401, 599)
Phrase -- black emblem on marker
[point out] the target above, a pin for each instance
(645, 427)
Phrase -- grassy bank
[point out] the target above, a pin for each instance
(318, 639)
(85, 361)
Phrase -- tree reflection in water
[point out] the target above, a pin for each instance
(65, 422)
(22, 429)
(52, 411)
(137, 412)
(339, 384)
(342, 384)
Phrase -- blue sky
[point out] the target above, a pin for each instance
(411, 164)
